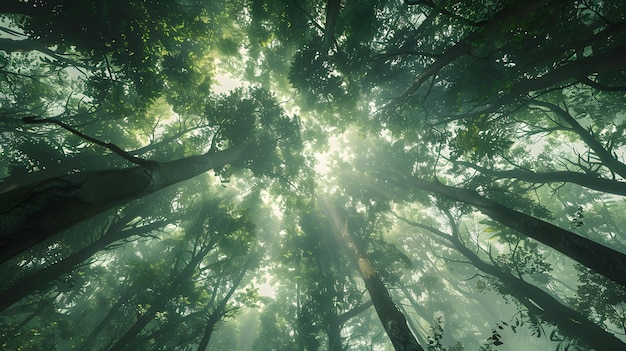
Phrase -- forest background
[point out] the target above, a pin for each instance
(304, 175)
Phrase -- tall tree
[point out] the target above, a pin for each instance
(390, 316)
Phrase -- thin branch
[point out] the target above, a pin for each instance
(112, 147)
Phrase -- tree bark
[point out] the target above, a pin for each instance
(390, 316)
(332, 13)
(35, 212)
(333, 329)
(599, 258)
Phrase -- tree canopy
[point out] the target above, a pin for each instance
(423, 175)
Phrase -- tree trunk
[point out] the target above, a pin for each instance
(158, 303)
(603, 154)
(606, 62)
(18, 7)
(125, 341)
(333, 330)
(601, 259)
(220, 310)
(390, 316)
(33, 213)
(41, 278)
(89, 343)
(571, 323)
(332, 13)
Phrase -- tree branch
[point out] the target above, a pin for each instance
(112, 147)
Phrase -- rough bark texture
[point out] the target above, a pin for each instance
(390, 316)
(601, 259)
(33, 213)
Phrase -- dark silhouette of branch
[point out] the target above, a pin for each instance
(114, 148)
(598, 86)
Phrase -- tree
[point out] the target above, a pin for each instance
(601, 259)
(390, 316)
(38, 211)
(119, 229)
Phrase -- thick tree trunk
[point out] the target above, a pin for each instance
(603, 260)
(606, 62)
(33, 213)
(333, 332)
(540, 303)
(390, 316)
(332, 13)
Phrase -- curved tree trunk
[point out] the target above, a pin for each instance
(33, 213)
(588, 181)
(473, 41)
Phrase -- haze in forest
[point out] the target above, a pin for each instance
(420, 175)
